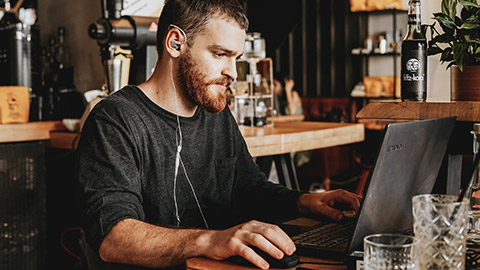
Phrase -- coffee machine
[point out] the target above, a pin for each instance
(122, 38)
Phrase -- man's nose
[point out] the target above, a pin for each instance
(230, 69)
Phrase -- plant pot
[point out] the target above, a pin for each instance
(465, 85)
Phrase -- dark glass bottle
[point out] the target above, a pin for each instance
(414, 57)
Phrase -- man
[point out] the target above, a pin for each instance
(164, 172)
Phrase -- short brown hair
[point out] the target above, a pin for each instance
(193, 15)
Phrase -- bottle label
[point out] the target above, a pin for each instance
(414, 70)
(414, 19)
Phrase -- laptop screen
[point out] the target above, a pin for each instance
(407, 164)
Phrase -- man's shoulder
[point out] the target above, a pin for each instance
(123, 101)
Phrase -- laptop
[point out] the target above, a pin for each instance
(407, 164)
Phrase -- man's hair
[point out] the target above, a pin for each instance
(193, 15)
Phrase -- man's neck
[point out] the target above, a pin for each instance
(161, 91)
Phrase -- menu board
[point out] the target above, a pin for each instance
(145, 8)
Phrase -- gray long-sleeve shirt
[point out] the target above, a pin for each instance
(126, 162)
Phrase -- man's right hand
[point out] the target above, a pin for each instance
(270, 238)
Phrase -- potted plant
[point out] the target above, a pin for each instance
(459, 46)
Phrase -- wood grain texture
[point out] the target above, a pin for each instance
(286, 137)
(201, 263)
(468, 111)
(31, 131)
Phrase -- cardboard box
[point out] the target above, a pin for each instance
(381, 86)
(14, 104)
(371, 5)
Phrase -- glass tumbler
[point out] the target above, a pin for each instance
(390, 251)
(440, 226)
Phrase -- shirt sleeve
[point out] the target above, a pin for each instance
(256, 197)
(108, 174)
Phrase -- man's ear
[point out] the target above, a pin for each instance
(174, 42)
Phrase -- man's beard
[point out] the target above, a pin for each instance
(196, 88)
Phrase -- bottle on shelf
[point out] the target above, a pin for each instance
(414, 57)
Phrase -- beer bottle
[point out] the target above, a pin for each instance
(414, 57)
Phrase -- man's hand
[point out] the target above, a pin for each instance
(270, 238)
(323, 203)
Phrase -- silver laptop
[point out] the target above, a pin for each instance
(407, 164)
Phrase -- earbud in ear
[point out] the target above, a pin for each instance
(176, 44)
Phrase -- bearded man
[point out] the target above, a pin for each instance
(164, 173)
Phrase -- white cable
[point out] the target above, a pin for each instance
(194, 195)
(178, 158)
(179, 148)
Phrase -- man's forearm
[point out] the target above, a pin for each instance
(135, 242)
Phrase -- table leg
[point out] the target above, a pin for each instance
(286, 171)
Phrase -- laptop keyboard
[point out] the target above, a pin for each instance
(328, 236)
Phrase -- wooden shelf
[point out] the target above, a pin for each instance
(32, 131)
(467, 111)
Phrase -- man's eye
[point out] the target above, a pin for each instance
(219, 55)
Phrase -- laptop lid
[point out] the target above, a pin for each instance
(407, 164)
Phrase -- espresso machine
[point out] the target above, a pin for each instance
(127, 45)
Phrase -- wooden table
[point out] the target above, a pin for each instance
(286, 137)
(200, 263)
(467, 113)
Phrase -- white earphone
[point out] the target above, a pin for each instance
(175, 43)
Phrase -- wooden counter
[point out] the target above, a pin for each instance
(200, 263)
(32, 131)
(286, 137)
(465, 111)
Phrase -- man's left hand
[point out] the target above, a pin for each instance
(324, 203)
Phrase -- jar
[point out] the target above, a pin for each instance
(254, 46)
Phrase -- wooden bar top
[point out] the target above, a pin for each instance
(286, 137)
(467, 111)
(200, 263)
(32, 131)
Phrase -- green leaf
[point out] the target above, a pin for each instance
(446, 6)
(449, 8)
(447, 30)
(477, 51)
(469, 3)
(444, 20)
(471, 23)
(460, 54)
(446, 55)
(451, 64)
(443, 38)
(470, 40)
(434, 50)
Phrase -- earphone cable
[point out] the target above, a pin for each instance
(178, 158)
(179, 146)
(194, 194)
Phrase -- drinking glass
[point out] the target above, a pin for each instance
(440, 225)
(390, 251)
